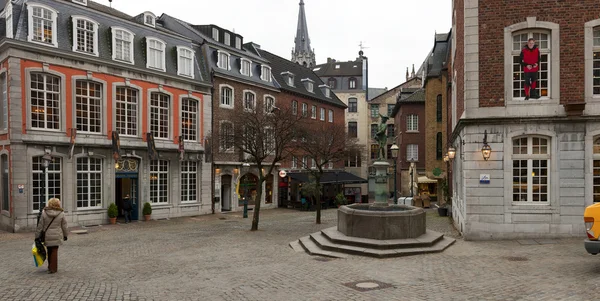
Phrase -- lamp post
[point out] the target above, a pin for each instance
(394, 148)
(412, 178)
(245, 169)
(45, 163)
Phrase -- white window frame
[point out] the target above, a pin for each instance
(265, 73)
(544, 51)
(158, 175)
(412, 152)
(592, 45)
(313, 163)
(330, 117)
(330, 165)
(313, 112)
(215, 34)
(304, 109)
(221, 62)
(227, 38)
(51, 175)
(30, 7)
(189, 181)
(412, 123)
(530, 157)
(153, 18)
(9, 19)
(81, 2)
(374, 112)
(151, 60)
(46, 93)
(294, 107)
(94, 38)
(232, 99)
(245, 62)
(129, 113)
(305, 162)
(92, 175)
(87, 101)
(322, 113)
(309, 84)
(290, 80)
(238, 42)
(222, 142)
(268, 106)
(294, 162)
(114, 31)
(161, 113)
(182, 60)
(191, 116)
(352, 83)
(253, 107)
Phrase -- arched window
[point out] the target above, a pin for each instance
(438, 109)
(227, 97)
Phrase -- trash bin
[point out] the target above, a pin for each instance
(408, 201)
(401, 200)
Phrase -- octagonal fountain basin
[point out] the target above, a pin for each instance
(381, 221)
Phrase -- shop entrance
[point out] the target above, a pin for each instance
(126, 183)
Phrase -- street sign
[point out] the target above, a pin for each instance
(282, 173)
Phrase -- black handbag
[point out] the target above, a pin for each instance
(42, 236)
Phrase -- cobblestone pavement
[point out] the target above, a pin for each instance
(216, 258)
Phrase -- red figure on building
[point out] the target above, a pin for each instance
(530, 58)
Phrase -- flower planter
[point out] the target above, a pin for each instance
(113, 220)
(147, 217)
(443, 211)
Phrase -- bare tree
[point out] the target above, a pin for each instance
(323, 143)
(263, 139)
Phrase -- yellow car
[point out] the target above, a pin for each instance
(592, 214)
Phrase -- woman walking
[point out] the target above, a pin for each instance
(54, 226)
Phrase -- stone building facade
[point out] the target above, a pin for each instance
(541, 173)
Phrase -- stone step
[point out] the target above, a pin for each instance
(313, 249)
(321, 241)
(426, 240)
(295, 245)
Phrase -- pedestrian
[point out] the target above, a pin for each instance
(530, 59)
(54, 226)
(127, 207)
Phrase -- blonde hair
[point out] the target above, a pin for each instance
(54, 203)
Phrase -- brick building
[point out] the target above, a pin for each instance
(76, 74)
(541, 172)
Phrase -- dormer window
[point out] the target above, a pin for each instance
(265, 73)
(155, 50)
(352, 83)
(288, 77)
(238, 42)
(308, 84)
(122, 41)
(42, 24)
(246, 67)
(85, 35)
(215, 34)
(149, 19)
(223, 60)
(185, 61)
(227, 39)
(326, 90)
(82, 2)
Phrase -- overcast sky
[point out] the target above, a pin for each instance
(397, 33)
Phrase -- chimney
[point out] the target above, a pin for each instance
(328, 60)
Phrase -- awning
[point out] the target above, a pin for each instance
(329, 177)
(426, 180)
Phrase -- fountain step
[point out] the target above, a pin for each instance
(295, 245)
(324, 243)
(426, 240)
(313, 249)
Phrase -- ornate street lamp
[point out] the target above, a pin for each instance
(395, 149)
(486, 150)
(245, 169)
(451, 152)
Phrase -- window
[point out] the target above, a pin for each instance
(89, 183)
(330, 165)
(269, 140)
(149, 20)
(45, 101)
(159, 115)
(265, 73)
(596, 171)
(352, 129)
(412, 123)
(304, 110)
(42, 24)
(227, 97)
(543, 43)
(159, 181)
(374, 150)
(390, 109)
(352, 105)
(596, 61)
(185, 61)
(313, 112)
(249, 101)
(227, 39)
(294, 162)
(4, 104)
(290, 80)
(374, 129)
(189, 119)
(238, 43)
(88, 106)
(53, 176)
(531, 161)
(330, 117)
(352, 83)
(126, 111)
(226, 136)
(374, 111)
(294, 107)
(438, 109)
(189, 181)
(215, 34)
(246, 66)
(322, 110)
(269, 104)
(327, 92)
(438, 146)
(390, 131)
(223, 61)
(412, 152)
(332, 83)
(305, 162)
(313, 163)
(5, 188)
(122, 45)
(156, 54)
(85, 35)
(354, 160)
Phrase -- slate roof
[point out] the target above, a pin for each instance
(353, 68)
(375, 92)
(280, 65)
(417, 97)
(436, 61)
(108, 18)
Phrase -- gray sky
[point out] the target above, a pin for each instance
(398, 33)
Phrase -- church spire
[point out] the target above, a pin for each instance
(407, 77)
(302, 53)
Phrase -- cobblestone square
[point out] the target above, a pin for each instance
(216, 258)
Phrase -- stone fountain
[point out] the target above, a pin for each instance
(376, 229)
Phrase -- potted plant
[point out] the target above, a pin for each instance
(340, 200)
(113, 212)
(147, 211)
